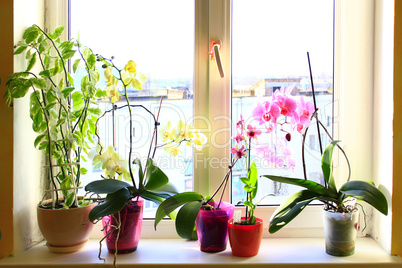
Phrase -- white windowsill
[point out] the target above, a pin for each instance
(274, 252)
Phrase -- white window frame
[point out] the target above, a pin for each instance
(212, 98)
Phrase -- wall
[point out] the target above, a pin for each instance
(27, 160)
(383, 113)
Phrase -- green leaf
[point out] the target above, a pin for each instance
(113, 203)
(38, 139)
(75, 65)
(106, 186)
(326, 165)
(57, 32)
(288, 210)
(95, 111)
(31, 62)
(39, 83)
(67, 91)
(68, 54)
(43, 145)
(172, 203)
(185, 220)
(45, 74)
(366, 192)
(19, 50)
(70, 79)
(137, 161)
(311, 185)
(154, 177)
(83, 171)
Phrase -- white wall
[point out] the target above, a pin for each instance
(27, 160)
(383, 115)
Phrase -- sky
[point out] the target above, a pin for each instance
(270, 37)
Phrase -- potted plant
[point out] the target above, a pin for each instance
(121, 209)
(193, 205)
(339, 212)
(245, 233)
(63, 116)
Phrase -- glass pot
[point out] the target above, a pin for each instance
(340, 231)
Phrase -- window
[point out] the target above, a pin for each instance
(213, 95)
(161, 42)
(270, 40)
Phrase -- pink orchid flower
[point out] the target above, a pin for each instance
(285, 102)
(253, 132)
(238, 152)
(239, 137)
(240, 124)
(265, 112)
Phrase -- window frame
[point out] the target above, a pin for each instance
(212, 22)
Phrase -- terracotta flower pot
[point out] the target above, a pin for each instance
(130, 231)
(245, 240)
(212, 227)
(65, 230)
(340, 231)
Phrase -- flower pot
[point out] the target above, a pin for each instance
(245, 240)
(130, 228)
(340, 231)
(65, 230)
(212, 227)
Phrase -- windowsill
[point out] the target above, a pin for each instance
(283, 252)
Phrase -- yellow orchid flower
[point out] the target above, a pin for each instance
(182, 131)
(112, 92)
(112, 163)
(166, 132)
(200, 140)
(109, 77)
(172, 149)
(131, 67)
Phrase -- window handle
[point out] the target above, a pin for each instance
(215, 55)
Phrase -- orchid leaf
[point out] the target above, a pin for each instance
(137, 161)
(311, 185)
(185, 220)
(288, 210)
(172, 203)
(106, 186)
(113, 203)
(154, 177)
(367, 192)
(326, 165)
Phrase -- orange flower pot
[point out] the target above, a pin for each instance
(245, 240)
(65, 230)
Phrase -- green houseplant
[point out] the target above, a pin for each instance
(148, 182)
(269, 115)
(63, 115)
(339, 202)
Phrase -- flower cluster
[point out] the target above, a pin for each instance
(282, 103)
(173, 137)
(112, 163)
(281, 110)
(128, 76)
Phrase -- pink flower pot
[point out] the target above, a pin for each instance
(212, 227)
(245, 240)
(130, 230)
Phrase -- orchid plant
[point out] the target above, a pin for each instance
(335, 199)
(282, 113)
(151, 183)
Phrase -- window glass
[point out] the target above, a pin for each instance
(270, 41)
(158, 36)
